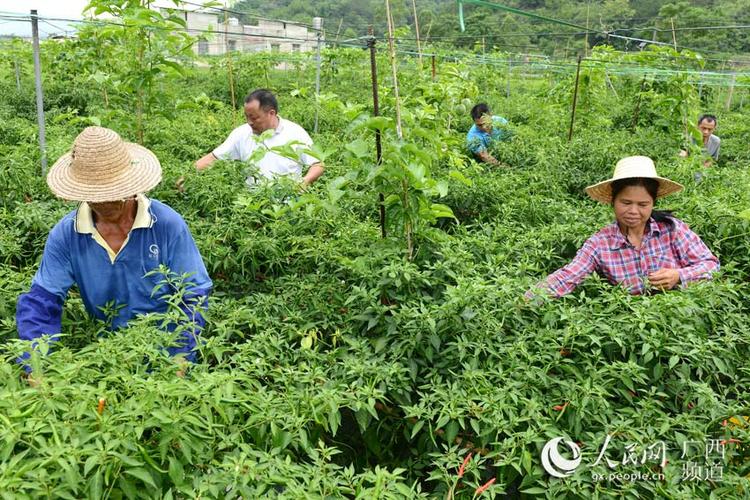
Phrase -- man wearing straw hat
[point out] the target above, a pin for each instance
(643, 250)
(261, 113)
(110, 244)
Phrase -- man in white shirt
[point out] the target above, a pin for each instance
(261, 112)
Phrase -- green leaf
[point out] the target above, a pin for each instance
(359, 148)
(381, 123)
(417, 427)
(176, 471)
(95, 485)
(536, 490)
(142, 474)
(439, 210)
(451, 431)
(526, 461)
(281, 439)
(673, 361)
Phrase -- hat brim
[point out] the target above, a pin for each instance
(602, 191)
(142, 175)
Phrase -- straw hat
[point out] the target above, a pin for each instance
(102, 167)
(632, 166)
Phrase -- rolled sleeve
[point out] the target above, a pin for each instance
(566, 279)
(229, 149)
(694, 257)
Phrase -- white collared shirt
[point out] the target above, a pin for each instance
(242, 142)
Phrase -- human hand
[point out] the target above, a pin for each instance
(664, 278)
(32, 380)
(182, 366)
(708, 163)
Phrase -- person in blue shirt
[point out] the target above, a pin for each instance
(113, 244)
(486, 130)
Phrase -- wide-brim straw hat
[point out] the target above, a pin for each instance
(102, 167)
(632, 166)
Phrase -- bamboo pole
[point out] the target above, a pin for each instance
(229, 60)
(416, 29)
(38, 86)
(408, 229)
(586, 40)
(731, 92)
(392, 52)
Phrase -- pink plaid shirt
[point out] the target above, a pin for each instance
(610, 254)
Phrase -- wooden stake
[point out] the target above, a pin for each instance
(575, 101)
(674, 36)
(376, 112)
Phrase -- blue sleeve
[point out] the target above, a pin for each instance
(184, 257)
(474, 142)
(55, 273)
(38, 312)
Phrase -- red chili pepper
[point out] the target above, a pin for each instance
(691, 405)
(560, 407)
(486, 485)
(463, 466)
(734, 441)
(100, 407)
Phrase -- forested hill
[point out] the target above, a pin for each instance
(438, 20)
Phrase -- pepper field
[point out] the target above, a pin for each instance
(338, 363)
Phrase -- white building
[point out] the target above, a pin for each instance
(229, 35)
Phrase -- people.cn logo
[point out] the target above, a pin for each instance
(557, 465)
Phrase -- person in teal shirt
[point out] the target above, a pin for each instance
(486, 130)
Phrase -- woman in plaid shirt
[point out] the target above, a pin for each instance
(643, 248)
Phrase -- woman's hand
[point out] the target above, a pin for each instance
(664, 278)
